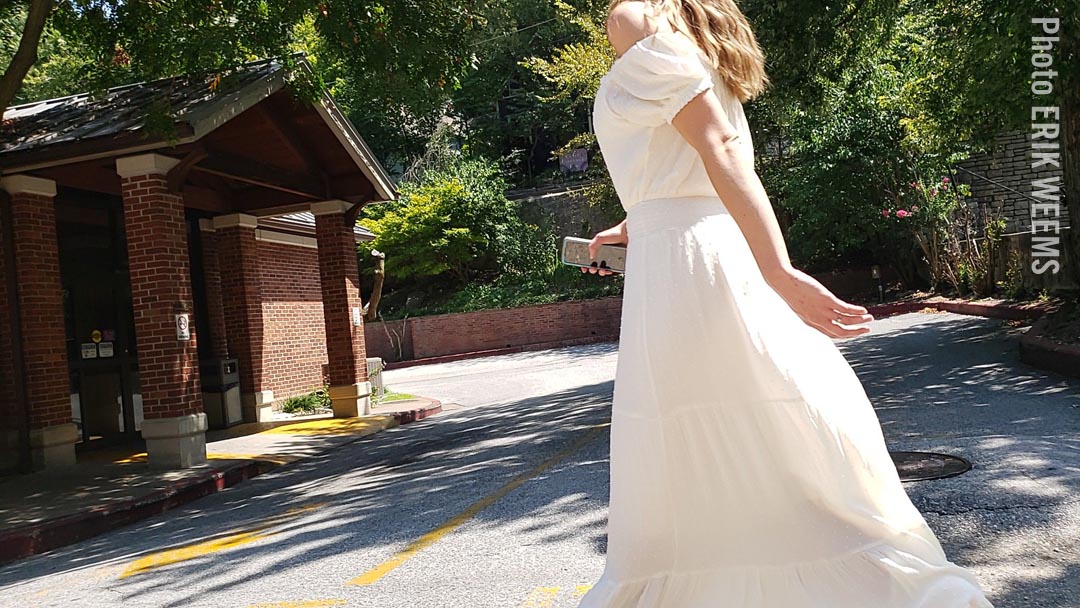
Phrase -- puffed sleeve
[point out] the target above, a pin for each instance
(657, 77)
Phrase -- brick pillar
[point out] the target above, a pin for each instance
(174, 426)
(37, 269)
(349, 388)
(11, 412)
(214, 304)
(238, 259)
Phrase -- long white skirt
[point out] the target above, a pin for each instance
(748, 468)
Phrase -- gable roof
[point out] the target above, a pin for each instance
(56, 131)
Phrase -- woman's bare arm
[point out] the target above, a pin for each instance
(705, 126)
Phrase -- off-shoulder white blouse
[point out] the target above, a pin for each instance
(638, 98)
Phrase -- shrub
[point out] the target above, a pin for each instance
(1013, 285)
(314, 402)
(456, 221)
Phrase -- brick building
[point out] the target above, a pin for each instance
(135, 259)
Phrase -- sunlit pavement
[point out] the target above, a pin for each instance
(501, 502)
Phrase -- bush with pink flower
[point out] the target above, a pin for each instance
(947, 231)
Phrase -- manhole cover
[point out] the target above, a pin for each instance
(919, 466)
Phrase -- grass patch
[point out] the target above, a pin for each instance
(389, 396)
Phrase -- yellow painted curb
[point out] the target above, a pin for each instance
(359, 427)
(334, 426)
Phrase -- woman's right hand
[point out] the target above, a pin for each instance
(616, 235)
(817, 306)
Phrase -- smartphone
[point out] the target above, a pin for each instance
(575, 252)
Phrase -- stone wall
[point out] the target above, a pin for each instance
(1009, 165)
(565, 210)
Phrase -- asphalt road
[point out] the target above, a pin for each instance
(501, 501)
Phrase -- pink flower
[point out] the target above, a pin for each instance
(914, 208)
(933, 192)
(884, 213)
(914, 185)
(902, 213)
(946, 180)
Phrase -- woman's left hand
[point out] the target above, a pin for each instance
(818, 307)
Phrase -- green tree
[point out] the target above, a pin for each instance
(393, 65)
(969, 72)
(120, 41)
(503, 105)
(839, 169)
(20, 44)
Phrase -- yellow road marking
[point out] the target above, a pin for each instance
(581, 590)
(310, 604)
(432, 537)
(236, 539)
(541, 597)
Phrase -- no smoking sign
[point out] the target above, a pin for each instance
(183, 327)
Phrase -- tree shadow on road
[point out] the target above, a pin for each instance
(943, 384)
(381, 491)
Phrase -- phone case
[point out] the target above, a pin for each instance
(575, 252)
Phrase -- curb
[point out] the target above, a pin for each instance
(993, 310)
(55, 533)
(500, 351)
(1043, 353)
(413, 415)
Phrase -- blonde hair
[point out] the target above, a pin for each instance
(721, 30)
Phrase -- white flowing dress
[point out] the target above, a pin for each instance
(748, 468)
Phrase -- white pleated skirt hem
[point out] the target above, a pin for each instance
(880, 576)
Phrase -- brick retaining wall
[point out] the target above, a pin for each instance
(454, 333)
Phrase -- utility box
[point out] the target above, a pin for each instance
(374, 371)
(221, 392)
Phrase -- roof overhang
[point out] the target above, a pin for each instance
(194, 127)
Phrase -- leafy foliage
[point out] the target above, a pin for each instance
(62, 64)
(967, 68)
(811, 46)
(314, 402)
(456, 221)
(395, 64)
(835, 171)
(500, 105)
(559, 284)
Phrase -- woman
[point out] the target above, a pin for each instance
(748, 468)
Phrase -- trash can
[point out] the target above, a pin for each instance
(221, 392)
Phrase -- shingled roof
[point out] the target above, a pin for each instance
(49, 131)
(122, 110)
